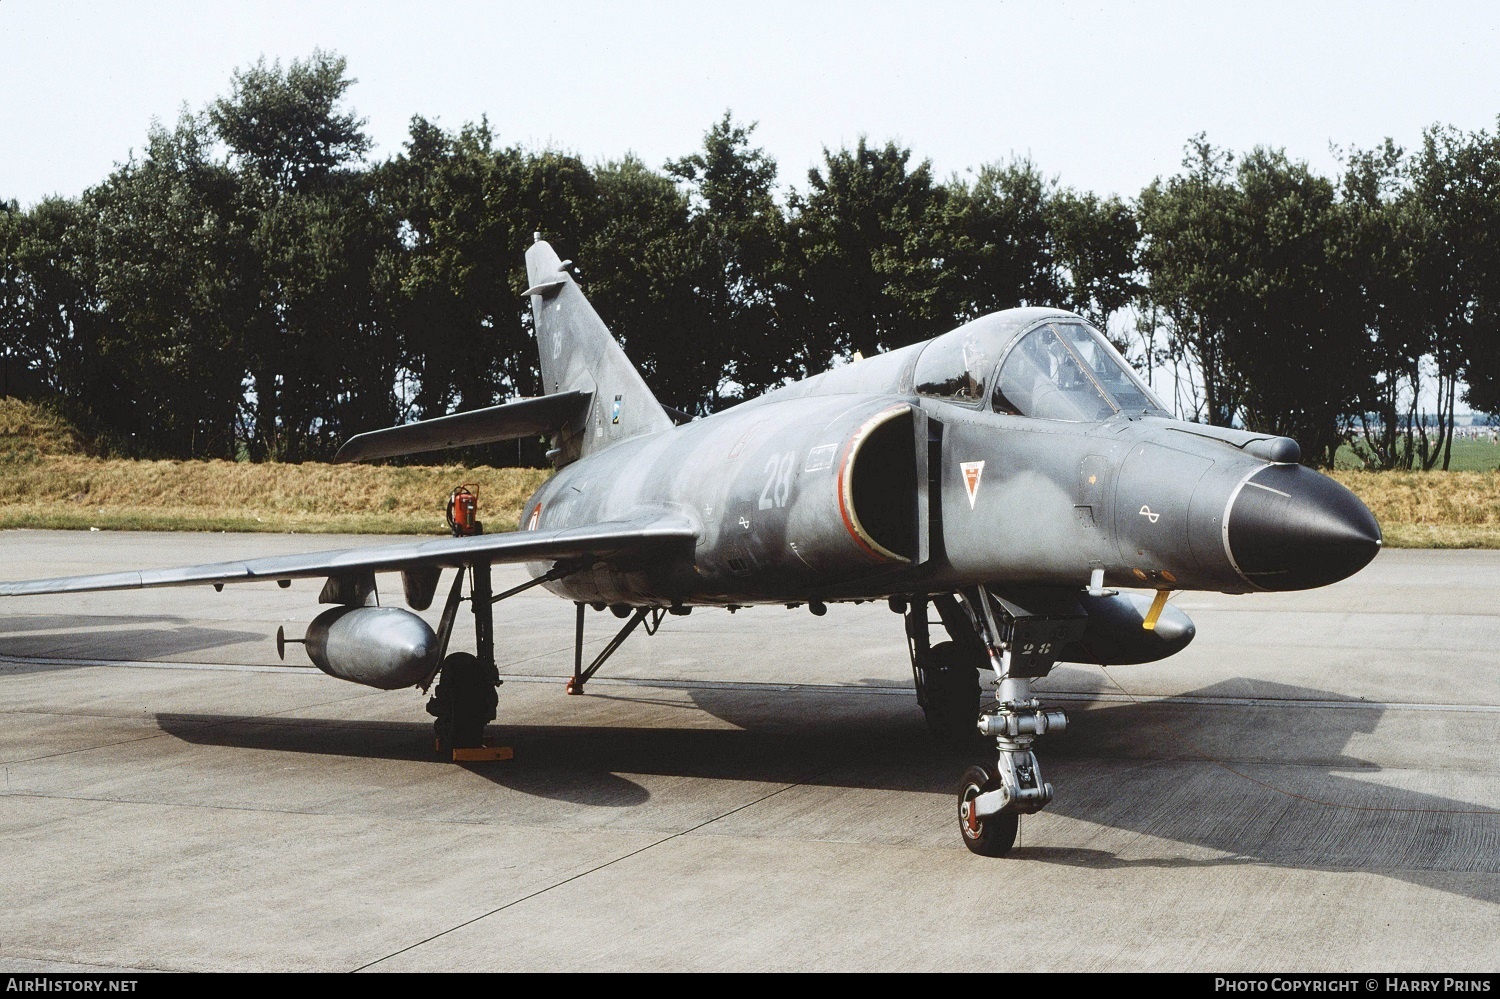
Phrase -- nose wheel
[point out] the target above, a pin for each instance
(991, 835)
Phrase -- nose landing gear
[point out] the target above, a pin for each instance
(1020, 644)
(989, 808)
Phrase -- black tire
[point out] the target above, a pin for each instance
(463, 703)
(992, 836)
(950, 693)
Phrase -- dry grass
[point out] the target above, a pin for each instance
(1415, 509)
(46, 480)
(78, 492)
(1432, 509)
(29, 431)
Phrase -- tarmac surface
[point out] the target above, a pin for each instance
(1311, 785)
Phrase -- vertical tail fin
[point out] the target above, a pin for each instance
(579, 354)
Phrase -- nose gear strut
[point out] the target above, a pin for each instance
(1017, 788)
(1021, 645)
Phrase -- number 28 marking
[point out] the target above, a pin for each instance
(779, 480)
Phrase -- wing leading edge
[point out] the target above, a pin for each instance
(659, 538)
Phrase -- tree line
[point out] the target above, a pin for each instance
(252, 285)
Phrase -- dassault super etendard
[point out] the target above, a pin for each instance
(1007, 476)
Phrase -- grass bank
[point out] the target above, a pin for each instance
(1415, 509)
(1431, 509)
(81, 492)
(48, 480)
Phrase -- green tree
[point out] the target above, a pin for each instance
(641, 264)
(16, 367)
(740, 236)
(166, 232)
(1001, 252)
(286, 125)
(1390, 235)
(318, 345)
(1297, 338)
(870, 240)
(1190, 251)
(1456, 182)
(1095, 242)
(465, 209)
(52, 315)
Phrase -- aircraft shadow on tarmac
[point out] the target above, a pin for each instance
(1255, 783)
(99, 637)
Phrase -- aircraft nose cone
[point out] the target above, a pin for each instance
(1290, 528)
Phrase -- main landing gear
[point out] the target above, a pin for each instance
(1020, 644)
(465, 699)
(946, 675)
(464, 702)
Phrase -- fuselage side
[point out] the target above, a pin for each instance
(853, 484)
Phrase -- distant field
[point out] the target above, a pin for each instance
(1468, 456)
(46, 481)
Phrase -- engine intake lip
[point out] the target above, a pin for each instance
(878, 541)
(1287, 527)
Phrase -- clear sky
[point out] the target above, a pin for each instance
(1101, 95)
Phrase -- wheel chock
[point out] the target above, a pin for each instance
(483, 754)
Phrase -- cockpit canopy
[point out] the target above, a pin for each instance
(1060, 369)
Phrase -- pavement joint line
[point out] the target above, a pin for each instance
(81, 749)
(583, 874)
(206, 726)
(817, 688)
(107, 969)
(1192, 758)
(6, 660)
(1207, 757)
(198, 805)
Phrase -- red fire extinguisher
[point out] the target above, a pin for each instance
(463, 511)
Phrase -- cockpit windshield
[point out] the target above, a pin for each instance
(1067, 371)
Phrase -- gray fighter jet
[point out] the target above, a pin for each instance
(1007, 476)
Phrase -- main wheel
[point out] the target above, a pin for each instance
(950, 692)
(463, 703)
(993, 835)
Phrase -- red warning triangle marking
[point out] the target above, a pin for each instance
(972, 471)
